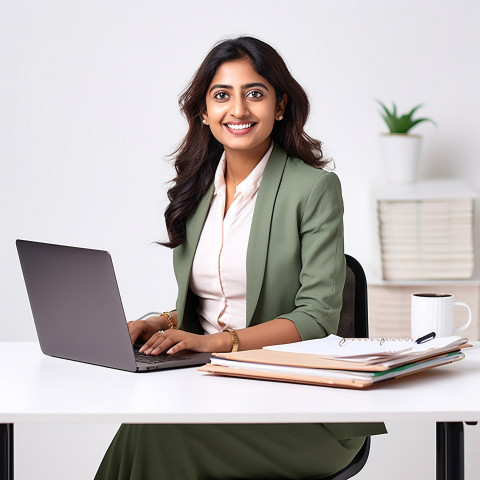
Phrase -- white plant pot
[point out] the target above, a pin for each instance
(400, 156)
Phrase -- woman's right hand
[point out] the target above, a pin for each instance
(144, 329)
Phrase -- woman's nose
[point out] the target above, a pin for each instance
(239, 107)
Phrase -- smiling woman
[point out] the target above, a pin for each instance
(197, 157)
(257, 230)
(241, 108)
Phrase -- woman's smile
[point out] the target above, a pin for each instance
(238, 128)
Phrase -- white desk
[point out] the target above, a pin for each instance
(44, 389)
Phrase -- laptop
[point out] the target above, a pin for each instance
(78, 311)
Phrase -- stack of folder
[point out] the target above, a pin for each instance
(339, 362)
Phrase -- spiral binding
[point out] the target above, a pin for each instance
(380, 341)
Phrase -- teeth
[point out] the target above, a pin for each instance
(242, 126)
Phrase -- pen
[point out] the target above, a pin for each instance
(426, 338)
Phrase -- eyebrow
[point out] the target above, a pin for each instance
(244, 87)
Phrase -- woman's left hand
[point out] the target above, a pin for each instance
(173, 341)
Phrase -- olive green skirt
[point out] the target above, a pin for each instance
(226, 452)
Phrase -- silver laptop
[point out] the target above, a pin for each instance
(78, 311)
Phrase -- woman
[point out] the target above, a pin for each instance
(256, 227)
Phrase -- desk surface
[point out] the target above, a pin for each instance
(45, 389)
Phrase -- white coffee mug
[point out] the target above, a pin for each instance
(433, 312)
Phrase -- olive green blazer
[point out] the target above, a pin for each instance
(295, 257)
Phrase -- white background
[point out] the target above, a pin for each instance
(88, 115)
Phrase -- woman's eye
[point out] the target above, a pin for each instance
(254, 94)
(221, 96)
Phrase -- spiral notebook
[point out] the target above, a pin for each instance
(366, 350)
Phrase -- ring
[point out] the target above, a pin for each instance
(161, 333)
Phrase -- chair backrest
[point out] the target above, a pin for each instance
(354, 313)
(354, 323)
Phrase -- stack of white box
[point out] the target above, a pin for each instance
(426, 231)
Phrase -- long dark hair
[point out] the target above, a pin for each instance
(197, 157)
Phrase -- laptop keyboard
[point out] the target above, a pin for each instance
(155, 359)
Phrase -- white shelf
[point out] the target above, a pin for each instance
(440, 189)
(378, 282)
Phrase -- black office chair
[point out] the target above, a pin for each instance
(354, 313)
(354, 323)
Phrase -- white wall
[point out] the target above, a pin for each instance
(88, 112)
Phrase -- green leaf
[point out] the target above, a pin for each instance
(387, 112)
(420, 120)
(413, 110)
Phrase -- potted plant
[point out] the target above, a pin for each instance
(400, 149)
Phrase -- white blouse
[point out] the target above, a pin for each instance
(219, 274)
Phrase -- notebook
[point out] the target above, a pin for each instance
(370, 351)
(78, 311)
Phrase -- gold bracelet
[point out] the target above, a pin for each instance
(233, 333)
(171, 324)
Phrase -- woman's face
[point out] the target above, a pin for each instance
(241, 107)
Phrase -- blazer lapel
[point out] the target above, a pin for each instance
(260, 230)
(184, 253)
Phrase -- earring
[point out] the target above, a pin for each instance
(280, 117)
(204, 121)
